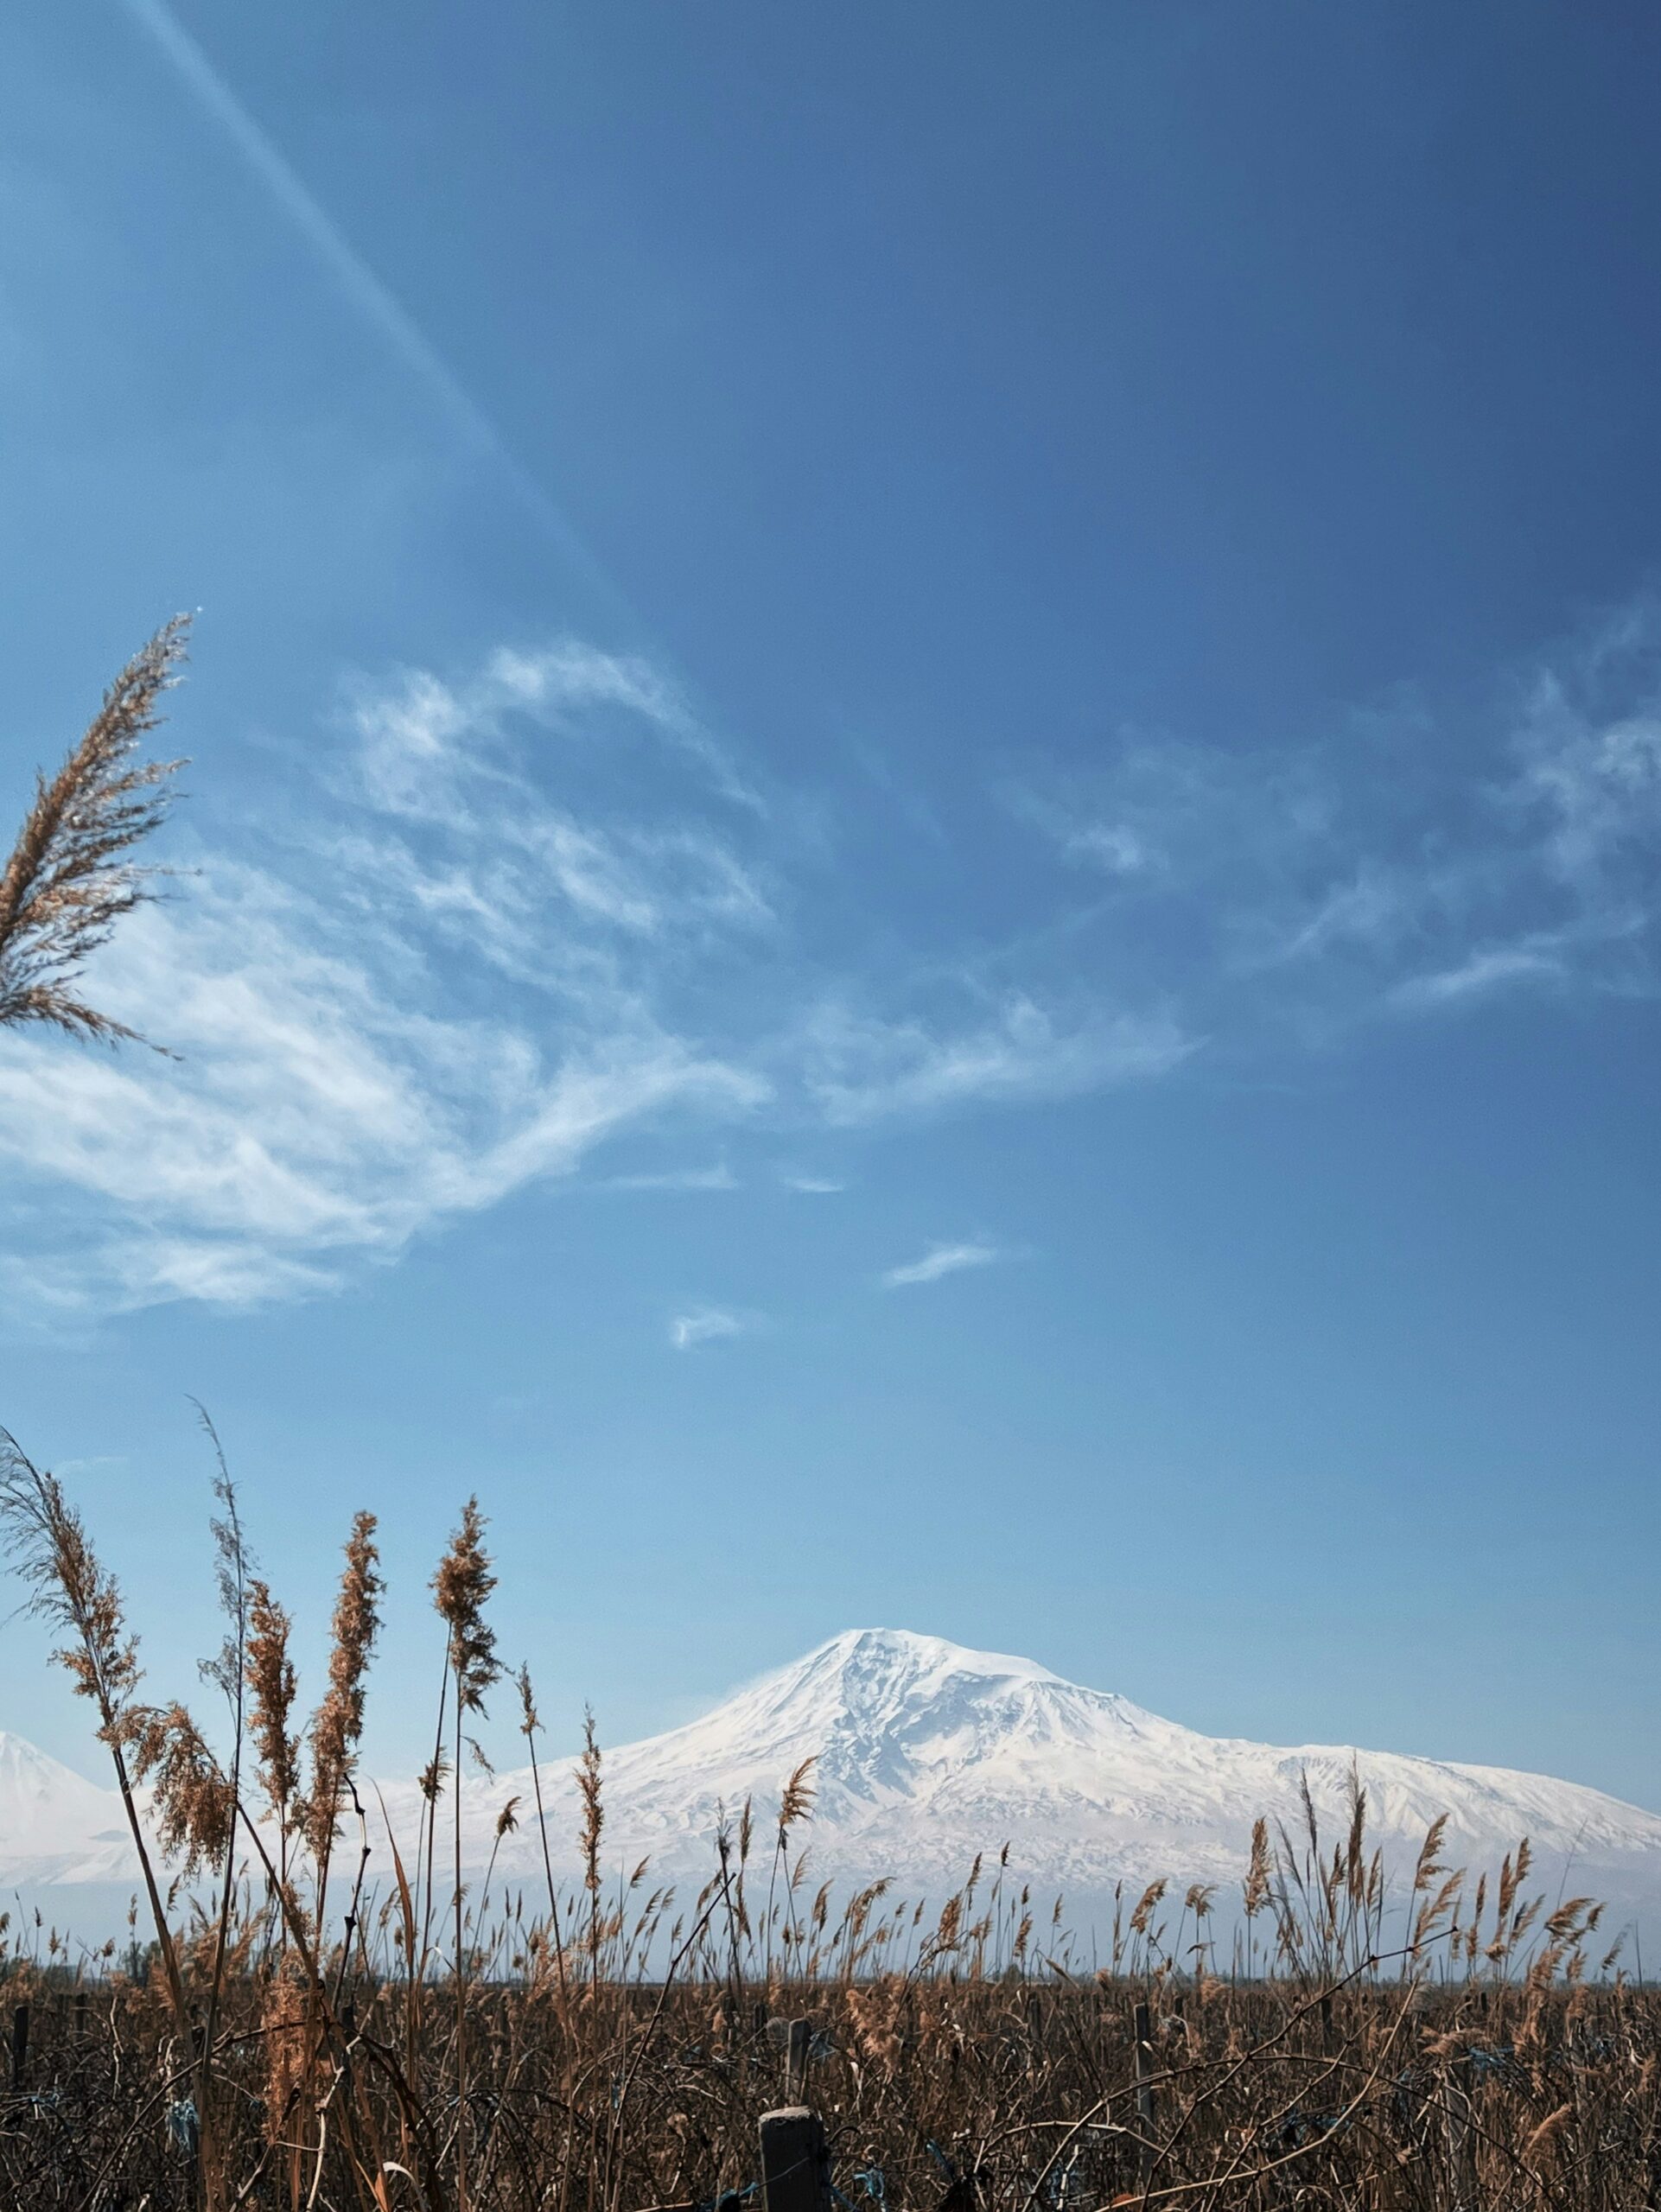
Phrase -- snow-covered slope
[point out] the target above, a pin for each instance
(928, 1753)
(55, 1825)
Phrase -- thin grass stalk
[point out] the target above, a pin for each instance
(461, 1586)
(529, 1725)
(231, 1675)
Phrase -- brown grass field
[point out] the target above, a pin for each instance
(275, 2035)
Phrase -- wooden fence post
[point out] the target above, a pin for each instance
(19, 2046)
(795, 2168)
(1143, 2029)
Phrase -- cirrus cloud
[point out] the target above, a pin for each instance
(940, 1260)
(706, 1324)
(520, 914)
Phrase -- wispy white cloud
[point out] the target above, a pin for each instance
(941, 1260)
(1094, 840)
(863, 1068)
(457, 989)
(707, 1324)
(525, 918)
(438, 756)
(1482, 972)
(425, 744)
(1596, 783)
(1114, 846)
(719, 1178)
(314, 1114)
(1394, 866)
(1371, 908)
(813, 1186)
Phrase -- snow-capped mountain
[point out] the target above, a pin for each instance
(55, 1825)
(925, 1754)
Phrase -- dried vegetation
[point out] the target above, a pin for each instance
(281, 2034)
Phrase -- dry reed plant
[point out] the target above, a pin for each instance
(272, 1689)
(71, 876)
(461, 1585)
(531, 1722)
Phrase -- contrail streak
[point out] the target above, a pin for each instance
(365, 291)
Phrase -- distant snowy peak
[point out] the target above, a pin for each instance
(870, 1684)
(55, 1825)
(872, 1680)
(882, 1657)
(886, 1711)
(885, 1715)
(926, 1753)
(36, 1791)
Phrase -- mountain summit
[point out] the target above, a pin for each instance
(925, 1754)
(928, 1753)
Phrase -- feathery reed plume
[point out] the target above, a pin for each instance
(46, 1540)
(1429, 1861)
(736, 1904)
(1199, 1902)
(337, 1724)
(336, 1729)
(1147, 1904)
(461, 1586)
(1355, 1858)
(797, 1802)
(1434, 1909)
(530, 1721)
(594, 1820)
(69, 881)
(229, 1673)
(271, 1688)
(1254, 1890)
(283, 2021)
(795, 1805)
(723, 1878)
(194, 1803)
(1563, 1925)
(1547, 2133)
(1473, 1932)
(507, 1821)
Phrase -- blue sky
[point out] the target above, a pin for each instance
(921, 842)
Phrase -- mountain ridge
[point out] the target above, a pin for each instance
(926, 1752)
